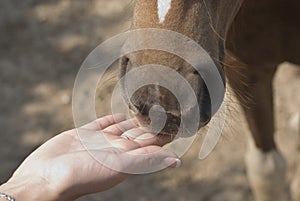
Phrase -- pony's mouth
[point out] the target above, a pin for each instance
(166, 124)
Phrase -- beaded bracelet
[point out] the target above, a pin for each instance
(7, 197)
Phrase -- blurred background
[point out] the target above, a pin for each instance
(42, 45)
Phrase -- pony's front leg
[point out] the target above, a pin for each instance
(265, 164)
(295, 187)
(266, 173)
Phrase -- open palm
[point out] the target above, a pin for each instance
(96, 157)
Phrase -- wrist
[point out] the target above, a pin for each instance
(28, 190)
(6, 197)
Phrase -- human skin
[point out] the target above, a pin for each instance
(64, 169)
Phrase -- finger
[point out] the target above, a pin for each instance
(142, 160)
(150, 159)
(136, 138)
(134, 133)
(148, 139)
(120, 128)
(105, 122)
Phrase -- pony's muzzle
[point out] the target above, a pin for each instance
(158, 109)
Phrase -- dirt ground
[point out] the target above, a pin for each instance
(42, 45)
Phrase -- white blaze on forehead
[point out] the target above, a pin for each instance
(163, 9)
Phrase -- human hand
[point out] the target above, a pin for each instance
(89, 159)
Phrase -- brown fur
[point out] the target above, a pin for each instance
(263, 34)
(257, 36)
(249, 38)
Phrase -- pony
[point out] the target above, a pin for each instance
(247, 40)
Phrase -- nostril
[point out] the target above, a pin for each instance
(204, 118)
(133, 108)
(139, 107)
(205, 106)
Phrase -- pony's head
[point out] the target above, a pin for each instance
(206, 23)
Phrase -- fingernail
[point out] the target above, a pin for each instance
(177, 163)
(173, 162)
